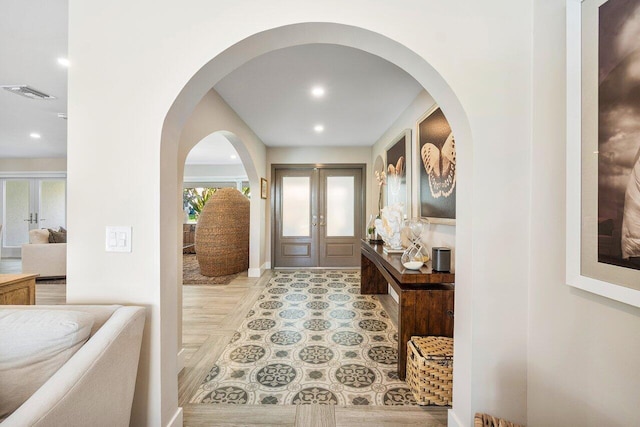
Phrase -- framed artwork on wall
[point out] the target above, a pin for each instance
(603, 148)
(263, 188)
(398, 169)
(437, 164)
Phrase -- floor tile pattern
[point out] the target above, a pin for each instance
(311, 338)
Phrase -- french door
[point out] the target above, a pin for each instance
(318, 216)
(29, 203)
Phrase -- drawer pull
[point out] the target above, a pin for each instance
(450, 313)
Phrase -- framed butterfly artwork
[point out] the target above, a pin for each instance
(436, 158)
(603, 148)
(398, 169)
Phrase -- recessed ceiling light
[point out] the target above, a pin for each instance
(317, 91)
(64, 62)
(35, 135)
(318, 128)
(233, 156)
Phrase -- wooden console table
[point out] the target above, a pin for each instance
(425, 297)
(18, 289)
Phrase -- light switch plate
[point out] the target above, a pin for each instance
(118, 239)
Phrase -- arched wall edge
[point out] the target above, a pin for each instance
(356, 37)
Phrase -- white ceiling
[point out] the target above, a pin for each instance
(214, 149)
(365, 94)
(272, 93)
(33, 35)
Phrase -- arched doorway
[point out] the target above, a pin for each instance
(300, 34)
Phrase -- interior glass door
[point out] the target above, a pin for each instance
(297, 221)
(318, 216)
(340, 207)
(18, 216)
(28, 204)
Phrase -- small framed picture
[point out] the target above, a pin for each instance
(263, 188)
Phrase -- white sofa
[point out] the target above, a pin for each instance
(95, 386)
(45, 259)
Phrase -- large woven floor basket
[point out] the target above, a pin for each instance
(222, 234)
(486, 420)
(430, 369)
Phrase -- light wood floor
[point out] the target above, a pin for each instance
(211, 315)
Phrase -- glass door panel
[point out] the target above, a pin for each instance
(296, 206)
(340, 206)
(27, 204)
(17, 203)
(52, 212)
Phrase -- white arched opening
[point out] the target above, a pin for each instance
(200, 85)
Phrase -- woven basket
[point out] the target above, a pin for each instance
(222, 234)
(430, 369)
(188, 238)
(485, 420)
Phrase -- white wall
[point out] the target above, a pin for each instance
(33, 165)
(213, 114)
(434, 234)
(583, 368)
(125, 82)
(211, 172)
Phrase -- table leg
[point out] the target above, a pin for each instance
(371, 280)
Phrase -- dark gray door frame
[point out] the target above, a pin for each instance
(276, 166)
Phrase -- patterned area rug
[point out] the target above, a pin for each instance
(310, 338)
(191, 273)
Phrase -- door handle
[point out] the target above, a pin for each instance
(36, 220)
(30, 220)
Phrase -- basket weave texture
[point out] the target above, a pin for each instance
(430, 369)
(222, 234)
(486, 420)
(188, 238)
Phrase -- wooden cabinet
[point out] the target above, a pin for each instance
(425, 298)
(18, 289)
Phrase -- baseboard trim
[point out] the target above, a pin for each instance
(176, 421)
(181, 360)
(258, 272)
(453, 420)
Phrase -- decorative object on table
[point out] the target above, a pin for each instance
(389, 225)
(430, 369)
(372, 233)
(414, 256)
(603, 151)
(398, 169)
(381, 178)
(263, 188)
(437, 155)
(222, 234)
(441, 259)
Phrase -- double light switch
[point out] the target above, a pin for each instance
(118, 239)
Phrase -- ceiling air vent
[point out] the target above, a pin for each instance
(27, 92)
